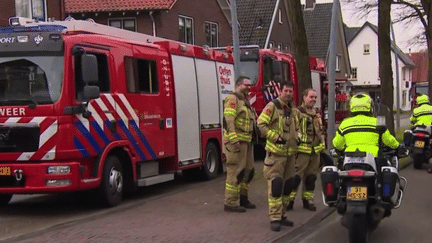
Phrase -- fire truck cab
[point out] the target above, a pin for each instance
(88, 106)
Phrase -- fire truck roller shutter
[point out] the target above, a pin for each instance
(186, 95)
(208, 93)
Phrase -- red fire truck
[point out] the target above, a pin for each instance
(87, 106)
(263, 65)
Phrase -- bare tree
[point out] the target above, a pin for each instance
(301, 52)
(385, 66)
(415, 9)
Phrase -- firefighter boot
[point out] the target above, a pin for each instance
(286, 222)
(290, 205)
(309, 205)
(237, 209)
(244, 202)
(275, 225)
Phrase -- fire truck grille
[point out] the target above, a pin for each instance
(19, 139)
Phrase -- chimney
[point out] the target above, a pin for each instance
(310, 3)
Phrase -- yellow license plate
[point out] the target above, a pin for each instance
(419, 144)
(357, 193)
(5, 171)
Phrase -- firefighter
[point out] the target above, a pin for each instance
(422, 114)
(359, 131)
(239, 122)
(309, 149)
(279, 123)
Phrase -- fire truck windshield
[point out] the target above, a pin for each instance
(250, 69)
(30, 79)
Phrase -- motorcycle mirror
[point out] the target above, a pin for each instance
(333, 152)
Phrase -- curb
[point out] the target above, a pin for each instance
(296, 235)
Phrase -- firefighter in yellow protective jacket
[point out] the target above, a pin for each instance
(279, 123)
(239, 123)
(422, 114)
(309, 149)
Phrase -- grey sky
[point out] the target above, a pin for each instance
(404, 32)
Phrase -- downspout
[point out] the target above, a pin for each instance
(153, 23)
(271, 24)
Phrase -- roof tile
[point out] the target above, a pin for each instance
(79, 6)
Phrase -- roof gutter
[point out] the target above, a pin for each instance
(153, 23)
(271, 24)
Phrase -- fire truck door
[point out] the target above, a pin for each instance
(152, 103)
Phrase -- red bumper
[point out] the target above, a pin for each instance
(35, 178)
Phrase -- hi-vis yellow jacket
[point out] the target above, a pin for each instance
(238, 118)
(311, 132)
(280, 122)
(422, 115)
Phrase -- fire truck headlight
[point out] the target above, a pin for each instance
(58, 182)
(58, 169)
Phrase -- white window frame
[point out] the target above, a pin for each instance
(338, 60)
(279, 47)
(354, 71)
(29, 12)
(217, 32)
(192, 27)
(122, 22)
(280, 16)
(366, 49)
(271, 45)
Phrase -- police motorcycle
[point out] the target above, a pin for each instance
(364, 189)
(418, 141)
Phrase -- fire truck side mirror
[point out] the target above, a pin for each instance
(91, 92)
(89, 67)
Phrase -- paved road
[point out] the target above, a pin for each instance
(410, 223)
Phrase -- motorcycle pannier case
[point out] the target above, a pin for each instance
(390, 188)
(330, 184)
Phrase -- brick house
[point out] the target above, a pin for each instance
(33, 9)
(190, 21)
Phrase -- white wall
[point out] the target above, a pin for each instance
(368, 65)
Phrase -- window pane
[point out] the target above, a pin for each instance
(207, 33)
(147, 76)
(38, 9)
(214, 35)
(129, 24)
(115, 23)
(189, 28)
(181, 29)
(22, 8)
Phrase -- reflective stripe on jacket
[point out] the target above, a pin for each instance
(311, 135)
(275, 123)
(360, 132)
(239, 119)
(422, 115)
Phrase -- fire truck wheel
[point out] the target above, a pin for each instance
(5, 199)
(211, 164)
(111, 188)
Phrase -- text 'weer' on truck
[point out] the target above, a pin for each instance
(87, 106)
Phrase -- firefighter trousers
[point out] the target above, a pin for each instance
(307, 168)
(279, 172)
(240, 171)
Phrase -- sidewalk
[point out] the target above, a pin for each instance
(195, 215)
(192, 215)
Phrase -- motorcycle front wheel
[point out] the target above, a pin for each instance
(358, 230)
